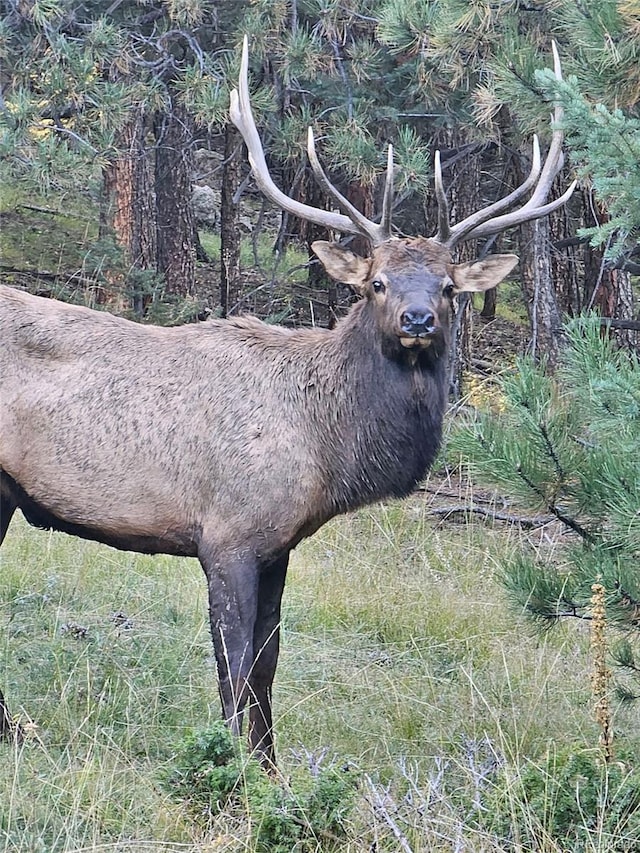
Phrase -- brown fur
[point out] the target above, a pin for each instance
(228, 440)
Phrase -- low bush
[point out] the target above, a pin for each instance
(573, 799)
(213, 773)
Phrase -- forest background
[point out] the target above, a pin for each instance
(122, 109)
(125, 187)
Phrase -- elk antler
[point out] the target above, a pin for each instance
(486, 222)
(354, 222)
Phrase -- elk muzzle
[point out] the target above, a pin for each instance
(418, 326)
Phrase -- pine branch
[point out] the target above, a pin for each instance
(549, 617)
(622, 654)
(630, 603)
(552, 453)
(551, 506)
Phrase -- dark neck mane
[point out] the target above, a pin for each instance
(388, 409)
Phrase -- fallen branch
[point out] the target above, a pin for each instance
(633, 325)
(454, 494)
(50, 276)
(465, 509)
(381, 803)
(37, 209)
(483, 364)
(64, 278)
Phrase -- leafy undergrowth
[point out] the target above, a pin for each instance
(405, 683)
(52, 246)
(44, 243)
(213, 776)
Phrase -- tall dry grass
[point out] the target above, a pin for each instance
(399, 658)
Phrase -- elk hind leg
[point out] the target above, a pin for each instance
(266, 645)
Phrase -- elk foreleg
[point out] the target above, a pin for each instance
(266, 646)
(7, 724)
(233, 596)
(7, 508)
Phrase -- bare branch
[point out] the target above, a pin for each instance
(383, 805)
(464, 509)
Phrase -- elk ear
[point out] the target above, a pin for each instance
(343, 265)
(481, 275)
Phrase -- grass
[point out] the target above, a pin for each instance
(39, 233)
(399, 657)
(426, 630)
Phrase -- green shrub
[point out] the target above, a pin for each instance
(313, 808)
(573, 798)
(214, 773)
(212, 769)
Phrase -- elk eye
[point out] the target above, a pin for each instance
(378, 286)
(447, 290)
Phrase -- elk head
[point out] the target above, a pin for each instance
(411, 279)
(411, 282)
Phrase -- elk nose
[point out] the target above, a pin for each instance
(417, 322)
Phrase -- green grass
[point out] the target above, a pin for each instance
(399, 656)
(288, 266)
(410, 634)
(44, 234)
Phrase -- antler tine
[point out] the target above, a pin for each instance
(485, 223)
(444, 229)
(377, 234)
(555, 157)
(242, 116)
(387, 200)
(462, 230)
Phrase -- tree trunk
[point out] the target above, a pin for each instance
(323, 289)
(176, 257)
(129, 212)
(607, 291)
(463, 181)
(625, 308)
(361, 197)
(488, 312)
(538, 283)
(539, 291)
(230, 289)
(565, 267)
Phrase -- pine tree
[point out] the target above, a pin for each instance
(604, 146)
(327, 68)
(600, 50)
(568, 446)
(98, 94)
(444, 73)
(467, 53)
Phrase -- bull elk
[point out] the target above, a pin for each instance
(233, 440)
